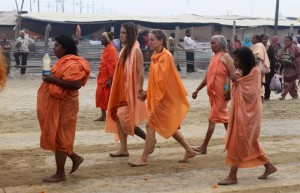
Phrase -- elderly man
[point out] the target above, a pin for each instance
(21, 47)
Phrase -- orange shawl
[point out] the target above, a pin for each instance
(216, 76)
(243, 130)
(106, 70)
(57, 108)
(123, 102)
(166, 96)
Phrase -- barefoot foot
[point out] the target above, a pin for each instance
(138, 163)
(200, 150)
(76, 163)
(228, 181)
(269, 170)
(55, 178)
(188, 154)
(119, 154)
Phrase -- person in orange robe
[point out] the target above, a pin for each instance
(57, 105)
(2, 72)
(243, 149)
(166, 99)
(125, 110)
(220, 68)
(106, 73)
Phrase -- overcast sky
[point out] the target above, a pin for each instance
(256, 8)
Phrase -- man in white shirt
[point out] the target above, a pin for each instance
(189, 46)
(21, 48)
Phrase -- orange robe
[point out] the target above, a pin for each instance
(166, 96)
(216, 76)
(242, 145)
(123, 102)
(106, 70)
(57, 108)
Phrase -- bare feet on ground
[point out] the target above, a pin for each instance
(137, 163)
(55, 178)
(228, 181)
(76, 163)
(188, 154)
(119, 154)
(269, 170)
(200, 149)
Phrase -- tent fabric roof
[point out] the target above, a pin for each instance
(241, 21)
(8, 17)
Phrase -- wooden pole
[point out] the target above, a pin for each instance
(276, 18)
(233, 34)
(291, 30)
(18, 21)
(22, 6)
(38, 5)
(176, 41)
(17, 6)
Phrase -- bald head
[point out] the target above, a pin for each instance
(22, 33)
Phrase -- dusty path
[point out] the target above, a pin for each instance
(23, 164)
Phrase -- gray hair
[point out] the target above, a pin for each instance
(222, 41)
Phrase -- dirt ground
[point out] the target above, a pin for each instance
(23, 163)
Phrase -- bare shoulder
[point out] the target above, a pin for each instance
(226, 57)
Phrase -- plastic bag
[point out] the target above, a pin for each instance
(275, 84)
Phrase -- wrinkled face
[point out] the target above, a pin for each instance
(265, 40)
(58, 50)
(154, 43)
(123, 35)
(103, 40)
(237, 63)
(287, 42)
(215, 45)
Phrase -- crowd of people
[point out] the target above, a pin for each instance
(241, 78)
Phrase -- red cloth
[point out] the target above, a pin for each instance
(106, 70)
(57, 108)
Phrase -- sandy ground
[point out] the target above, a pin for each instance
(23, 164)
